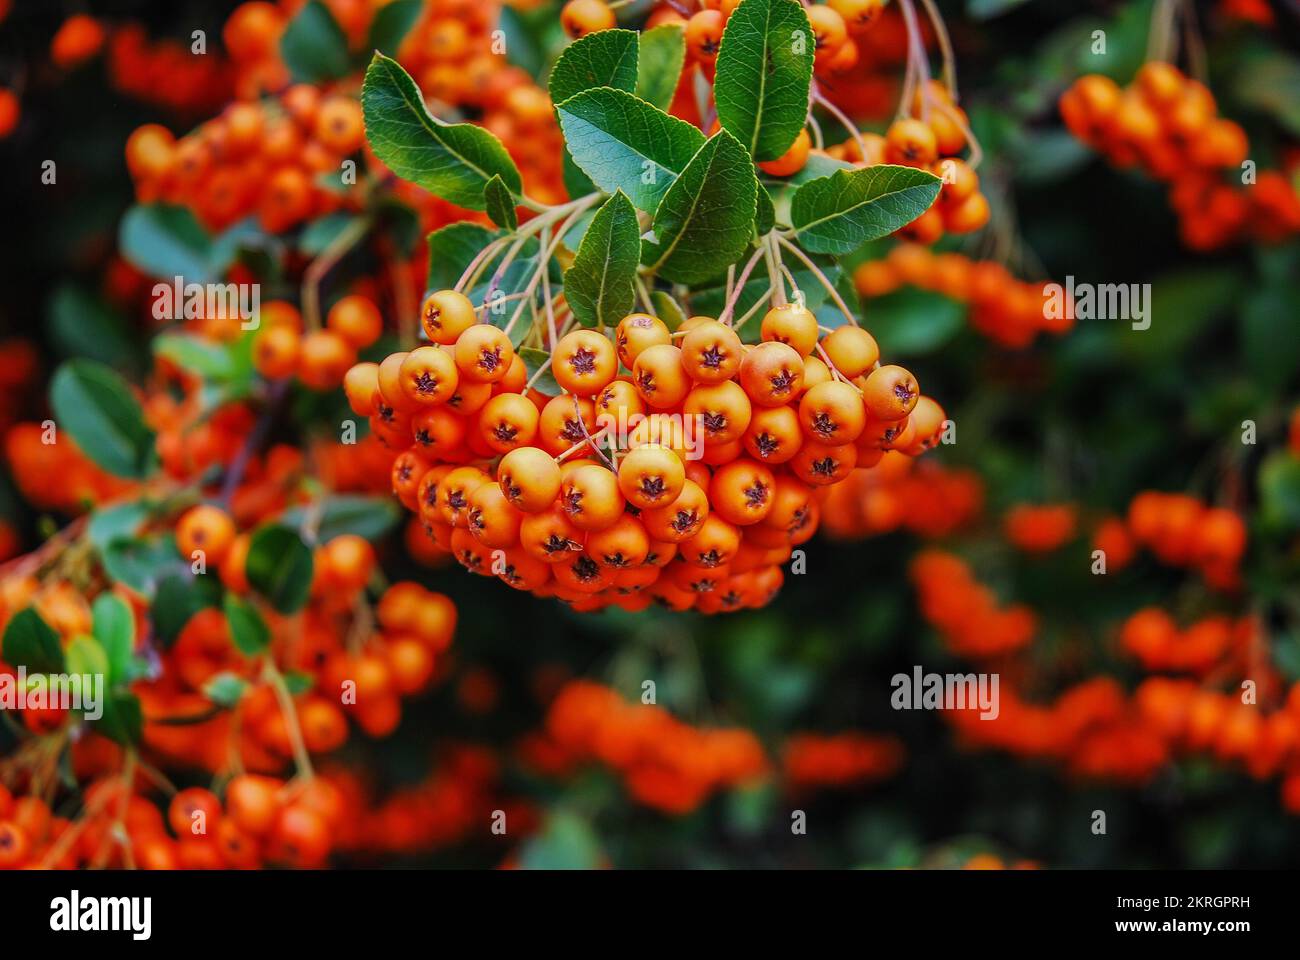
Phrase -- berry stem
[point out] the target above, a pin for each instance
(842, 117)
(945, 47)
(725, 315)
(335, 251)
(821, 278)
(301, 759)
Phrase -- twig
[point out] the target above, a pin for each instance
(821, 278)
(335, 251)
(724, 316)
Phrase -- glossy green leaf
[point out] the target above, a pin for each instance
(659, 66)
(392, 23)
(32, 643)
(706, 219)
(599, 284)
(839, 213)
(534, 360)
(179, 595)
(248, 630)
(226, 689)
(452, 160)
(500, 204)
(314, 46)
(113, 625)
(452, 249)
(279, 567)
(763, 76)
(94, 406)
(607, 58)
(123, 720)
(361, 516)
(623, 143)
(166, 242)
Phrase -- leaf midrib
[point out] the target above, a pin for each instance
(845, 212)
(695, 200)
(421, 111)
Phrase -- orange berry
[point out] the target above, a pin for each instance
(357, 320)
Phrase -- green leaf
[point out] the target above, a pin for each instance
(623, 143)
(500, 204)
(140, 563)
(96, 408)
(1270, 347)
(534, 360)
(86, 657)
(659, 66)
(599, 285)
(668, 310)
(123, 721)
(123, 521)
(113, 624)
(298, 682)
(763, 75)
(247, 628)
(576, 183)
(32, 643)
(314, 46)
(565, 842)
(225, 689)
(764, 212)
(452, 160)
(1279, 492)
(280, 567)
(181, 594)
(607, 58)
(452, 249)
(166, 242)
(522, 37)
(319, 234)
(839, 213)
(84, 325)
(391, 25)
(206, 358)
(910, 321)
(705, 220)
(368, 517)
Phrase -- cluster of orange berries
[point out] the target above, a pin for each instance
(321, 358)
(451, 803)
(78, 39)
(665, 763)
(1097, 731)
(1182, 531)
(57, 475)
(1169, 124)
(453, 52)
(710, 491)
(264, 820)
(1008, 311)
(966, 612)
(255, 158)
(165, 72)
(1195, 720)
(810, 760)
(923, 498)
(1091, 728)
(1040, 528)
(1153, 637)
